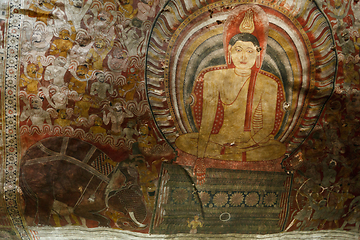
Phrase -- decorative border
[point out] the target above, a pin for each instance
(10, 112)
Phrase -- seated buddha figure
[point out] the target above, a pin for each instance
(238, 106)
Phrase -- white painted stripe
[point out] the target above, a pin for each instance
(101, 233)
(303, 61)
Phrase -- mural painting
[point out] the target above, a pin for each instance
(244, 86)
(191, 117)
(82, 107)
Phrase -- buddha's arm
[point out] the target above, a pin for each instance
(210, 101)
(268, 102)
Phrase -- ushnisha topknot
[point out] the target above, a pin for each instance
(247, 25)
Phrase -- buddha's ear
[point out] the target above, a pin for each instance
(229, 54)
(257, 61)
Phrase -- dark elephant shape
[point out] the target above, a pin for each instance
(81, 176)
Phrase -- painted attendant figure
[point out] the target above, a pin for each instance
(238, 105)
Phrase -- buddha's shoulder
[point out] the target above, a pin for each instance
(267, 79)
(217, 71)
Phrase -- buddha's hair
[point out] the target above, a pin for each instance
(245, 37)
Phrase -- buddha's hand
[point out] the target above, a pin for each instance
(245, 145)
(245, 137)
(266, 139)
(200, 171)
(232, 148)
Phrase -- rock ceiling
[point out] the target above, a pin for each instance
(185, 119)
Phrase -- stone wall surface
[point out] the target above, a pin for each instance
(180, 119)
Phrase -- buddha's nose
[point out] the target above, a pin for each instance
(243, 56)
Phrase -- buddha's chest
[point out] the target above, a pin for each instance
(235, 102)
(234, 91)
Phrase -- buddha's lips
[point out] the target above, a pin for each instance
(243, 62)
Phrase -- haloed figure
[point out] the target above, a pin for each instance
(35, 113)
(240, 105)
(100, 87)
(117, 114)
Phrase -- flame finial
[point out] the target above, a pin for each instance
(247, 25)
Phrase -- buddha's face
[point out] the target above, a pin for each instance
(99, 44)
(41, 2)
(59, 98)
(60, 61)
(142, 167)
(356, 100)
(81, 70)
(104, 17)
(62, 113)
(36, 103)
(83, 40)
(338, 4)
(37, 37)
(124, 2)
(86, 98)
(118, 107)
(100, 77)
(349, 69)
(130, 124)
(144, 130)
(119, 53)
(98, 122)
(243, 54)
(77, 3)
(31, 69)
(64, 34)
